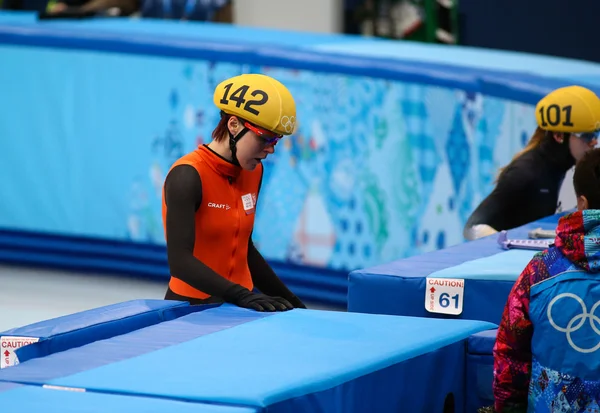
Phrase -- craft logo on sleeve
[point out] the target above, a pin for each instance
(9, 344)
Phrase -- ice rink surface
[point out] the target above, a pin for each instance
(28, 295)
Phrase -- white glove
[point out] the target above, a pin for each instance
(478, 231)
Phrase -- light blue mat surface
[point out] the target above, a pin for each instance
(275, 358)
(504, 266)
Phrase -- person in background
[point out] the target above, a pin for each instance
(210, 197)
(528, 188)
(547, 350)
(218, 11)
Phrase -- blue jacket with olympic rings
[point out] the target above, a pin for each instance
(547, 352)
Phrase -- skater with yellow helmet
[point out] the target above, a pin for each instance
(528, 187)
(210, 196)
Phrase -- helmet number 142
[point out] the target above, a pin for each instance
(238, 96)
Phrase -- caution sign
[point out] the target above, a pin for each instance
(9, 344)
(444, 295)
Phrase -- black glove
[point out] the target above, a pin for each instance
(243, 297)
(295, 301)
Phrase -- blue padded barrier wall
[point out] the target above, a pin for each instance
(393, 148)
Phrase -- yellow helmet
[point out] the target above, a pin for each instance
(260, 100)
(572, 109)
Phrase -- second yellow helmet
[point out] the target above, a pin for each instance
(571, 109)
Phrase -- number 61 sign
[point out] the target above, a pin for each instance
(444, 295)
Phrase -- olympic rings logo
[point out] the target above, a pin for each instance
(577, 322)
(288, 123)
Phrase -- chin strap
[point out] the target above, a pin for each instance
(233, 140)
(232, 145)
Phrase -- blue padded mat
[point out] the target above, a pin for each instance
(257, 363)
(85, 319)
(398, 287)
(4, 386)
(29, 399)
(480, 370)
(423, 265)
(42, 370)
(504, 266)
(74, 330)
(482, 342)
